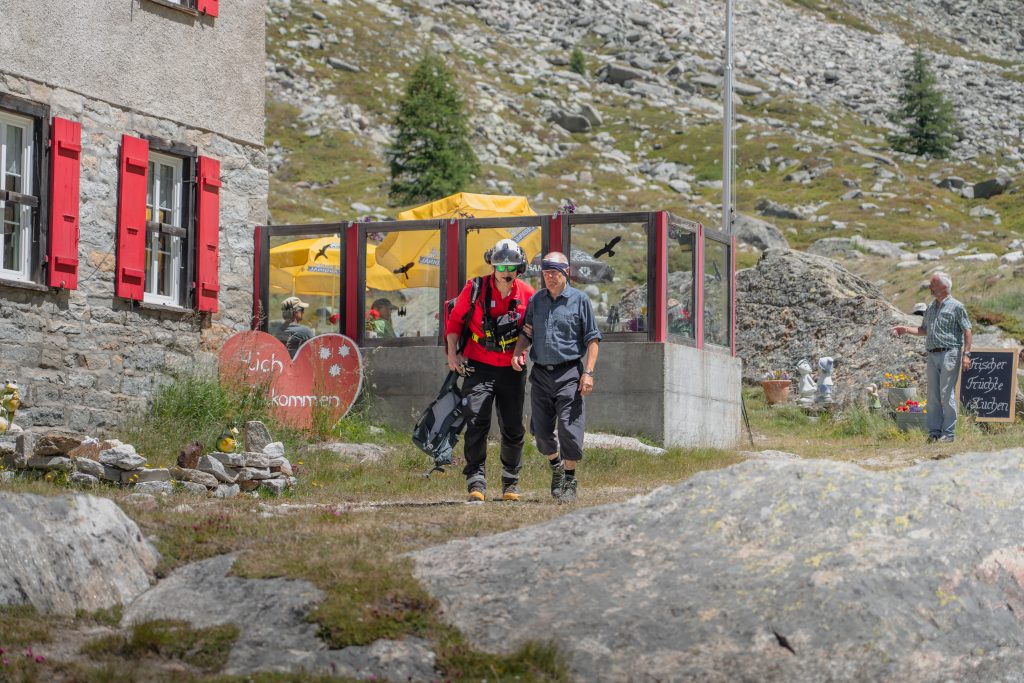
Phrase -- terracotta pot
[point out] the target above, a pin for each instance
(776, 390)
(897, 396)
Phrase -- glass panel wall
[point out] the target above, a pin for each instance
(308, 266)
(609, 264)
(679, 288)
(403, 278)
(717, 281)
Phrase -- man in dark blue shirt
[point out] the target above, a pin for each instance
(561, 332)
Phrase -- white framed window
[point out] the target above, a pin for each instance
(165, 230)
(17, 134)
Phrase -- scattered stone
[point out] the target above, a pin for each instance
(255, 460)
(57, 442)
(84, 480)
(62, 554)
(153, 474)
(767, 207)
(359, 452)
(188, 457)
(195, 476)
(598, 440)
(991, 188)
(226, 491)
(122, 457)
(210, 465)
(274, 451)
(142, 500)
(90, 448)
(274, 486)
(193, 488)
(155, 487)
(256, 436)
(229, 459)
(55, 463)
(758, 233)
(342, 65)
(981, 258)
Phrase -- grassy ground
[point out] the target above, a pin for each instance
(347, 527)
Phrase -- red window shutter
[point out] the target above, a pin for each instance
(207, 233)
(66, 151)
(130, 275)
(207, 7)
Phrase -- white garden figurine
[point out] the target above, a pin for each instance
(825, 364)
(808, 387)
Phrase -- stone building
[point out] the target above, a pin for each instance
(132, 175)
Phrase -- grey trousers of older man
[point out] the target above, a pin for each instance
(943, 371)
(555, 400)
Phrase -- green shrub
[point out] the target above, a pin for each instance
(577, 62)
(859, 421)
(431, 156)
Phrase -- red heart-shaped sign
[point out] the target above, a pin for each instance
(325, 376)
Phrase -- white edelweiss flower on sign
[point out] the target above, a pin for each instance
(335, 370)
(343, 351)
(325, 353)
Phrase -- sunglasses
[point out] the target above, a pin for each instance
(505, 269)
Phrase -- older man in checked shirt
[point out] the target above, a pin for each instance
(947, 332)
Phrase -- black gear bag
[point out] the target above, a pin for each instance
(437, 431)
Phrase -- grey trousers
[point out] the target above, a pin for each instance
(943, 370)
(555, 399)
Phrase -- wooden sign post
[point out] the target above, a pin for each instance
(989, 388)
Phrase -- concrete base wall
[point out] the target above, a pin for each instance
(674, 395)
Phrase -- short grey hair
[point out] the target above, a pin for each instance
(945, 279)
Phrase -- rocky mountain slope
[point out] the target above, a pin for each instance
(642, 130)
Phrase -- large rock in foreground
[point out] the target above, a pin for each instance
(770, 570)
(795, 305)
(70, 553)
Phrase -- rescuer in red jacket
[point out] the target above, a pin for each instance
(495, 322)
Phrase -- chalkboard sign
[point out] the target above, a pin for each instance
(989, 388)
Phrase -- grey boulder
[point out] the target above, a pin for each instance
(70, 553)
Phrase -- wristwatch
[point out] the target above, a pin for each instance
(588, 372)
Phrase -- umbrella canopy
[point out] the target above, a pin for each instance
(312, 267)
(415, 256)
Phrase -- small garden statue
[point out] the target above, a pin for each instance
(808, 387)
(227, 442)
(10, 401)
(874, 401)
(825, 364)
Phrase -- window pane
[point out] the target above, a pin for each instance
(166, 194)
(679, 307)
(403, 283)
(150, 183)
(11, 233)
(609, 265)
(716, 293)
(150, 267)
(14, 137)
(309, 267)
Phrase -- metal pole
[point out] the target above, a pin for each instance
(727, 126)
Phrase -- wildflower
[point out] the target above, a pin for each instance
(40, 659)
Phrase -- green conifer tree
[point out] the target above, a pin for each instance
(431, 156)
(577, 62)
(924, 114)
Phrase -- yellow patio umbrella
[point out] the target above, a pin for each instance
(312, 267)
(415, 256)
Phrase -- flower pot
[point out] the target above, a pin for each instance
(899, 395)
(907, 421)
(776, 390)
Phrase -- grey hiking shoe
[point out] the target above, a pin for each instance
(476, 494)
(557, 479)
(568, 494)
(510, 492)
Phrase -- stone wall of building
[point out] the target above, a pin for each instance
(84, 358)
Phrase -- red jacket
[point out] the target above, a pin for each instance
(497, 306)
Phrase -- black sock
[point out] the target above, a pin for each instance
(570, 475)
(555, 463)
